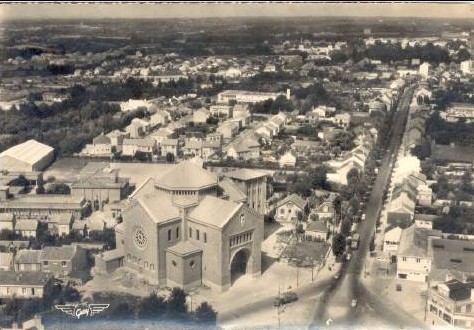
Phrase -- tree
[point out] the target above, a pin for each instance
(169, 157)
(176, 303)
(206, 314)
(152, 306)
(122, 310)
(338, 244)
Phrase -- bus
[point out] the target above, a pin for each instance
(355, 242)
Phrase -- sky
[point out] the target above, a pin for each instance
(62, 10)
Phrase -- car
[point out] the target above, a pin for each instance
(354, 303)
(285, 298)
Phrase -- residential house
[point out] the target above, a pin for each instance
(391, 239)
(192, 148)
(317, 231)
(116, 137)
(424, 70)
(162, 134)
(425, 220)
(6, 261)
(401, 208)
(6, 221)
(101, 146)
(414, 133)
(290, 208)
(138, 128)
(451, 304)
(287, 160)
(215, 137)
(325, 210)
(265, 132)
(247, 148)
(200, 116)
(28, 260)
(228, 130)
(24, 284)
(160, 117)
(222, 110)
(64, 261)
(413, 259)
(26, 227)
(131, 146)
(134, 105)
(169, 146)
(210, 148)
(60, 224)
(342, 119)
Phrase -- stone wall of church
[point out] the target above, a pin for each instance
(169, 234)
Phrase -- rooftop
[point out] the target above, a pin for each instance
(214, 211)
(62, 253)
(23, 278)
(244, 174)
(293, 198)
(317, 226)
(26, 224)
(235, 194)
(184, 248)
(29, 152)
(414, 241)
(186, 176)
(28, 257)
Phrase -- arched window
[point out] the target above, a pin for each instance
(169, 234)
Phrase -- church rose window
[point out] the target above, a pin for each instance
(139, 237)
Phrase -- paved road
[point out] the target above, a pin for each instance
(350, 287)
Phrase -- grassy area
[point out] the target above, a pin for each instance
(301, 253)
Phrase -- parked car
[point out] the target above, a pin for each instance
(285, 298)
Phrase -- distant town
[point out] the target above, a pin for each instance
(237, 174)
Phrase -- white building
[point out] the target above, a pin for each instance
(248, 96)
(424, 70)
(391, 239)
(29, 156)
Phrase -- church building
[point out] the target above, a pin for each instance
(183, 229)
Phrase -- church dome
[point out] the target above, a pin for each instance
(186, 176)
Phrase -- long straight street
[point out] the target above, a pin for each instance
(337, 298)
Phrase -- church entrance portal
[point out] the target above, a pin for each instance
(239, 264)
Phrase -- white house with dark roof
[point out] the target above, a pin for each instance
(287, 209)
(182, 229)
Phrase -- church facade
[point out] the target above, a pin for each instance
(183, 229)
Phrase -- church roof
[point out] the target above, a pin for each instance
(214, 211)
(186, 175)
(244, 174)
(184, 248)
(155, 205)
(235, 194)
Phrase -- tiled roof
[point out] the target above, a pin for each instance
(235, 194)
(244, 174)
(26, 224)
(65, 252)
(28, 257)
(156, 205)
(214, 211)
(186, 175)
(6, 217)
(414, 241)
(184, 248)
(317, 226)
(23, 278)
